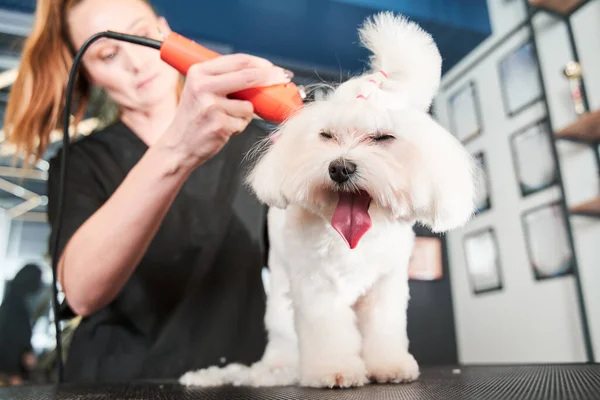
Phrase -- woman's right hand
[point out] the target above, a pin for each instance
(206, 118)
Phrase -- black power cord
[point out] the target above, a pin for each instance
(142, 41)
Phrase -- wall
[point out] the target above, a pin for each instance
(527, 320)
(22, 242)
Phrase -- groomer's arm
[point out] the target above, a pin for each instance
(103, 253)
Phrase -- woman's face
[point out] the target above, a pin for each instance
(133, 76)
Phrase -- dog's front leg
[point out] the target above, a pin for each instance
(329, 340)
(382, 321)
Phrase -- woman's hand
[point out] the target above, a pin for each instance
(206, 118)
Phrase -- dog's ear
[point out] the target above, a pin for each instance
(447, 179)
(265, 178)
(405, 60)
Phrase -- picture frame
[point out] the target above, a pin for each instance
(482, 261)
(426, 261)
(533, 160)
(465, 113)
(519, 79)
(546, 237)
(483, 201)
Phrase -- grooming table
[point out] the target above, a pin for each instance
(543, 382)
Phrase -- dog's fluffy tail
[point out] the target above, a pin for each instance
(406, 53)
(257, 375)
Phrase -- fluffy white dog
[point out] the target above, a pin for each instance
(346, 179)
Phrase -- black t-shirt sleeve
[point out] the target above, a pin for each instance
(82, 197)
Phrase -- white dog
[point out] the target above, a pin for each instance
(346, 180)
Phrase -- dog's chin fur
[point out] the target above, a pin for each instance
(336, 316)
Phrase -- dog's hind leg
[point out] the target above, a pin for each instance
(282, 346)
(279, 363)
(382, 321)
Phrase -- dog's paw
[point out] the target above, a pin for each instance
(339, 375)
(402, 370)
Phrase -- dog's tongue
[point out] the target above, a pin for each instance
(351, 217)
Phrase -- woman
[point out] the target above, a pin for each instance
(151, 254)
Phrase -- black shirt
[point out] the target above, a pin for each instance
(197, 298)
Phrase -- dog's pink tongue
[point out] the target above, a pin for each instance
(351, 217)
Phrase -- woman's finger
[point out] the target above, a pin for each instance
(236, 108)
(232, 125)
(239, 125)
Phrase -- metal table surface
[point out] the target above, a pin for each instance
(544, 382)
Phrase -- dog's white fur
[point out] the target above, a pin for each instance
(337, 316)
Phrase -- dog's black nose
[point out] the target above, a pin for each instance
(341, 170)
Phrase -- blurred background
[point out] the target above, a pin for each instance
(521, 90)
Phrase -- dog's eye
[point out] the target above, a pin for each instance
(326, 135)
(383, 138)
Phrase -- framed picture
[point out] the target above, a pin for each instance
(426, 259)
(533, 159)
(548, 248)
(465, 114)
(482, 258)
(519, 79)
(483, 200)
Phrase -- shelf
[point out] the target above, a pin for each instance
(585, 129)
(589, 208)
(558, 7)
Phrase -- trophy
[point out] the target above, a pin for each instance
(573, 73)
